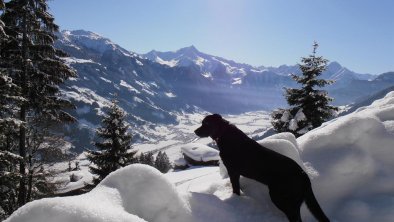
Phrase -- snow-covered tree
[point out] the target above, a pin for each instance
(162, 162)
(33, 64)
(309, 106)
(147, 158)
(9, 173)
(9, 176)
(114, 149)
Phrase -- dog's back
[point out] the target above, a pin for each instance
(252, 160)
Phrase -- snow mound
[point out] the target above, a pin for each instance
(129, 194)
(285, 144)
(200, 152)
(354, 155)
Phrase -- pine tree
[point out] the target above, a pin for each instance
(36, 68)
(309, 107)
(114, 149)
(147, 159)
(162, 162)
(9, 174)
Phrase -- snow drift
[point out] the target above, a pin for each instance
(354, 156)
(135, 193)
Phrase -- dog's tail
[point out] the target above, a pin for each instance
(314, 206)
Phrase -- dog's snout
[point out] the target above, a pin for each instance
(197, 131)
(201, 132)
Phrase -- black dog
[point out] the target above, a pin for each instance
(289, 185)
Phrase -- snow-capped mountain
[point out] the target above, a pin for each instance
(211, 67)
(151, 93)
(269, 80)
(335, 71)
(218, 68)
(156, 87)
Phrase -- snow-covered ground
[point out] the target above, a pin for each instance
(167, 138)
(350, 159)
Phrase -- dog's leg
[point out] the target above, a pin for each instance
(234, 178)
(287, 204)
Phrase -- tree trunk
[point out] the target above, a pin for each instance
(22, 129)
(22, 153)
(30, 180)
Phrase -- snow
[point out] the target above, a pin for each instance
(200, 152)
(141, 193)
(150, 92)
(134, 190)
(207, 75)
(354, 155)
(83, 174)
(293, 125)
(170, 95)
(137, 99)
(171, 63)
(139, 62)
(180, 162)
(300, 116)
(200, 61)
(350, 160)
(85, 95)
(105, 80)
(285, 117)
(129, 87)
(90, 40)
(237, 81)
(72, 60)
(285, 144)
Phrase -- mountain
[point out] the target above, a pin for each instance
(358, 89)
(219, 68)
(270, 81)
(210, 66)
(151, 93)
(157, 87)
(106, 71)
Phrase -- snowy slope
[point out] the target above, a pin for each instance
(351, 159)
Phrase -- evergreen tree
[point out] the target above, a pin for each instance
(36, 68)
(162, 162)
(114, 149)
(309, 107)
(147, 159)
(9, 174)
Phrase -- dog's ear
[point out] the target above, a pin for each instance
(217, 116)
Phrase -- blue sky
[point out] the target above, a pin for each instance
(359, 34)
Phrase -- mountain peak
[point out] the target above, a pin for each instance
(335, 65)
(90, 40)
(82, 32)
(189, 49)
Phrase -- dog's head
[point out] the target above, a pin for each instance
(211, 125)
